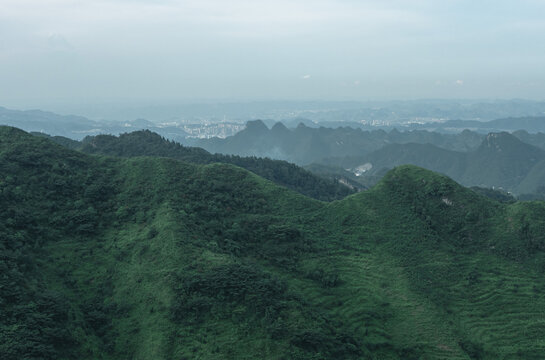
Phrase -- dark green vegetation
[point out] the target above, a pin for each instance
(147, 143)
(61, 140)
(154, 258)
(501, 161)
(513, 162)
(337, 173)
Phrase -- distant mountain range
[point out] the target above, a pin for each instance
(150, 257)
(304, 145)
(501, 161)
(355, 157)
(78, 127)
(513, 162)
(530, 124)
(419, 115)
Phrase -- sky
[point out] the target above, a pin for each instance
(165, 50)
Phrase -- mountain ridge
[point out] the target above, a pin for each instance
(501, 161)
(157, 258)
(147, 143)
(304, 145)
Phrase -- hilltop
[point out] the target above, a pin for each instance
(147, 143)
(151, 257)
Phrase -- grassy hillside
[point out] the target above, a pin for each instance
(152, 258)
(470, 266)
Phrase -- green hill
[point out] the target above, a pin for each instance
(155, 258)
(465, 266)
(147, 143)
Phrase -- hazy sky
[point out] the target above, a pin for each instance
(94, 50)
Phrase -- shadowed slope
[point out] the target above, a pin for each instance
(146, 143)
(501, 161)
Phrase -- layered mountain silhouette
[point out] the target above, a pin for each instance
(147, 143)
(304, 145)
(533, 124)
(501, 161)
(78, 127)
(157, 258)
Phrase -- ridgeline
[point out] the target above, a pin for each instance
(157, 258)
(147, 143)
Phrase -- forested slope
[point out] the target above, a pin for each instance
(154, 258)
(147, 143)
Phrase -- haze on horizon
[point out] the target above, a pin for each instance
(91, 51)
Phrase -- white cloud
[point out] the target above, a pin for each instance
(235, 18)
(205, 45)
